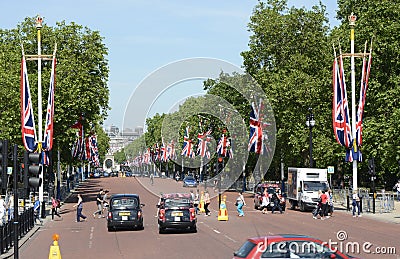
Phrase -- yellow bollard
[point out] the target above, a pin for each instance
(55, 249)
(223, 212)
(201, 204)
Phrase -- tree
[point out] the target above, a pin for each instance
(81, 79)
(288, 56)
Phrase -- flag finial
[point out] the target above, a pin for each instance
(352, 19)
(39, 21)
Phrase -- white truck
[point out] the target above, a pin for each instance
(303, 185)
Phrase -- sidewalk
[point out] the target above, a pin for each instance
(391, 217)
(36, 227)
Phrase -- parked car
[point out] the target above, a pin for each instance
(125, 211)
(96, 174)
(271, 189)
(287, 246)
(114, 174)
(128, 174)
(176, 211)
(106, 174)
(189, 181)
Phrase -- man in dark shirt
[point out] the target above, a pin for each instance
(99, 203)
(277, 203)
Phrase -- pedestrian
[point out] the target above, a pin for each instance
(2, 210)
(356, 204)
(151, 178)
(55, 204)
(240, 203)
(277, 203)
(10, 206)
(330, 203)
(207, 202)
(36, 210)
(397, 188)
(196, 201)
(317, 210)
(99, 204)
(265, 203)
(324, 204)
(79, 209)
(105, 201)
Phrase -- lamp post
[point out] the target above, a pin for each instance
(310, 122)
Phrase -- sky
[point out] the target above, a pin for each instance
(148, 40)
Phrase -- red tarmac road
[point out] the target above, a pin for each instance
(214, 239)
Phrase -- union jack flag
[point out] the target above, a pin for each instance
(79, 148)
(202, 146)
(48, 133)
(363, 94)
(340, 112)
(164, 152)
(223, 146)
(187, 149)
(146, 157)
(256, 141)
(29, 138)
(94, 151)
(171, 150)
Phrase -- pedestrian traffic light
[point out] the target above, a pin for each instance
(32, 170)
(3, 163)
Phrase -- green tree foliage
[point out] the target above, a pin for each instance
(81, 80)
(289, 56)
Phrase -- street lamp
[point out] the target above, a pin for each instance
(310, 122)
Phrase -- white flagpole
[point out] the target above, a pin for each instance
(352, 23)
(40, 128)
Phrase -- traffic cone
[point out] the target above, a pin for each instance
(223, 212)
(201, 204)
(55, 249)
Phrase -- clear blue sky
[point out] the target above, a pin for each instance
(143, 36)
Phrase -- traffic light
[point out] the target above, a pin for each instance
(371, 166)
(32, 170)
(220, 164)
(4, 163)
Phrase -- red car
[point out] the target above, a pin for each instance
(287, 246)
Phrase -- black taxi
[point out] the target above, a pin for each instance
(176, 211)
(125, 211)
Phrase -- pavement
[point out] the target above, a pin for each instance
(392, 217)
(24, 239)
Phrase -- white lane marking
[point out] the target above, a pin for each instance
(218, 232)
(91, 237)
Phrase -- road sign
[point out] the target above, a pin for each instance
(331, 169)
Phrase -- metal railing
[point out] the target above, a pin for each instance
(25, 224)
(384, 202)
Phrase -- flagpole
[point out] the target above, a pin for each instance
(352, 23)
(40, 128)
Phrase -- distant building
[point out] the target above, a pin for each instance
(119, 140)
